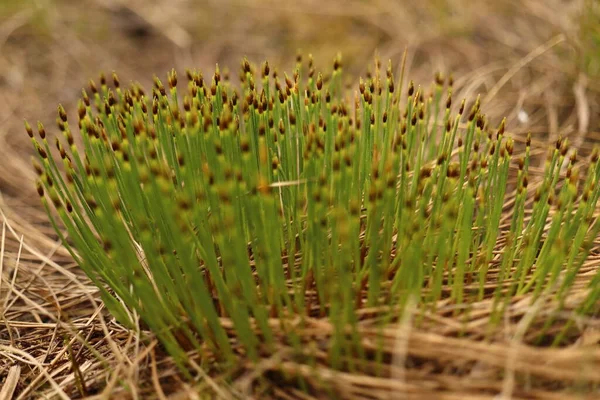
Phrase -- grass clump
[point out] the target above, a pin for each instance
(224, 217)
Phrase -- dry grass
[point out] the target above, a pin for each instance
(57, 341)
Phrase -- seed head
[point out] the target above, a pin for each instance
(472, 114)
(564, 148)
(28, 130)
(172, 78)
(453, 170)
(573, 158)
(509, 146)
(337, 63)
(93, 87)
(115, 78)
(40, 188)
(41, 130)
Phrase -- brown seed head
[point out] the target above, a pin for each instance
(62, 113)
(509, 146)
(40, 188)
(28, 130)
(41, 130)
(337, 63)
(462, 107)
(172, 78)
(115, 79)
(93, 87)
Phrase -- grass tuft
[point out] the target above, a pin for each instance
(224, 213)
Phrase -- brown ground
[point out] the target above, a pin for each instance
(529, 56)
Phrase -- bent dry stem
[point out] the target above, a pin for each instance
(225, 215)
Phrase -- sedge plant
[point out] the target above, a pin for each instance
(224, 215)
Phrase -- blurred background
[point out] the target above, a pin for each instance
(537, 62)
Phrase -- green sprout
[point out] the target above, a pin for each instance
(227, 215)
